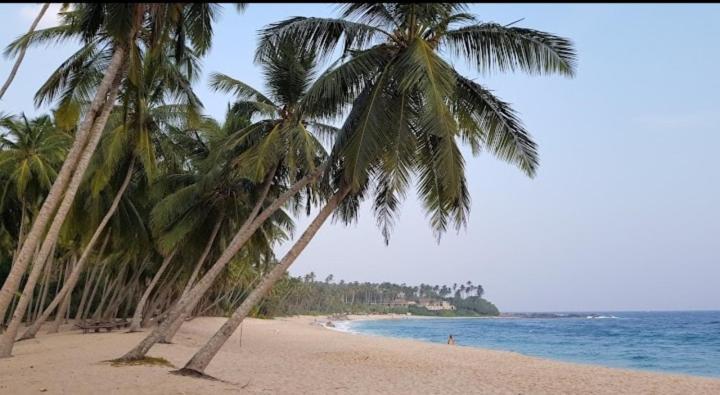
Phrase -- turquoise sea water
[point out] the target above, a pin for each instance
(677, 342)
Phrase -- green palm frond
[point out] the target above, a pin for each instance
(341, 84)
(224, 83)
(495, 126)
(493, 46)
(317, 35)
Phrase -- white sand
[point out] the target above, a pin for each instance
(291, 356)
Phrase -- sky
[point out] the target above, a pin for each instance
(623, 213)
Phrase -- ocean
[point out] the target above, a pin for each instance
(678, 342)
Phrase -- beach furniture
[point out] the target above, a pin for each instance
(100, 325)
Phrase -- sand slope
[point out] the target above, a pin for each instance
(290, 356)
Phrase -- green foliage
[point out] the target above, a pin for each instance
(304, 295)
(408, 108)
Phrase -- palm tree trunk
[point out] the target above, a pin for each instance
(104, 98)
(21, 233)
(246, 231)
(117, 290)
(65, 299)
(202, 358)
(89, 278)
(79, 267)
(43, 291)
(107, 289)
(153, 306)
(8, 338)
(98, 281)
(135, 324)
(21, 55)
(178, 323)
(203, 256)
(160, 300)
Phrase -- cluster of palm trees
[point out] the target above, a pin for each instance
(128, 201)
(306, 295)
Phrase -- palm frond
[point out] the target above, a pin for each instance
(224, 83)
(493, 46)
(495, 125)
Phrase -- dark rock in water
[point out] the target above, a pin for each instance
(330, 324)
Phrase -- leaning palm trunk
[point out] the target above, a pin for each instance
(202, 258)
(43, 290)
(178, 323)
(89, 277)
(8, 338)
(21, 232)
(80, 266)
(98, 280)
(188, 302)
(202, 358)
(55, 327)
(137, 317)
(117, 291)
(21, 55)
(107, 289)
(68, 169)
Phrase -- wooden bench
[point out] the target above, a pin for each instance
(107, 325)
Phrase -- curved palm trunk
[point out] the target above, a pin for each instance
(178, 323)
(104, 97)
(188, 302)
(80, 266)
(202, 358)
(135, 325)
(21, 55)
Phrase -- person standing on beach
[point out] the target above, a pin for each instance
(451, 340)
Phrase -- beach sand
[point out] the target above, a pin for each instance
(293, 356)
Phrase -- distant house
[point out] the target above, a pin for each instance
(435, 305)
(400, 301)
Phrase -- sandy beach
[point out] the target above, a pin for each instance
(294, 355)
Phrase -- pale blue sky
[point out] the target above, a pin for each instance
(623, 213)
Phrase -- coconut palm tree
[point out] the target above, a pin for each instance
(30, 154)
(409, 108)
(127, 29)
(214, 203)
(280, 147)
(144, 113)
(119, 31)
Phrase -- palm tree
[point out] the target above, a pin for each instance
(30, 154)
(144, 112)
(409, 108)
(124, 29)
(101, 104)
(202, 358)
(214, 203)
(21, 54)
(279, 147)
